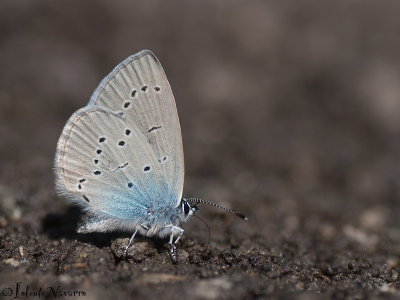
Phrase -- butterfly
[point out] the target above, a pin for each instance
(121, 156)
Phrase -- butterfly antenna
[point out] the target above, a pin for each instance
(208, 228)
(197, 201)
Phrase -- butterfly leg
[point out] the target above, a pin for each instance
(130, 242)
(175, 231)
(179, 236)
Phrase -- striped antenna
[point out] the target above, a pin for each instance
(196, 201)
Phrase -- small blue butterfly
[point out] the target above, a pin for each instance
(121, 156)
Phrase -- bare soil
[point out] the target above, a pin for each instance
(289, 114)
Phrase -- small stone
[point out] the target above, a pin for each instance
(79, 266)
(360, 236)
(11, 261)
(327, 232)
(65, 279)
(373, 218)
(138, 251)
(118, 247)
(157, 278)
(182, 256)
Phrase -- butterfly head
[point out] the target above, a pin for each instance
(187, 209)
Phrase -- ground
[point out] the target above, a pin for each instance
(289, 114)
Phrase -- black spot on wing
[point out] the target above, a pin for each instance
(160, 160)
(154, 128)
(122, 166)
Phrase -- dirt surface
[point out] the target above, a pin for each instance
(289, 114)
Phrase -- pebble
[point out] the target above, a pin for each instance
(138, 251)
(11, 261)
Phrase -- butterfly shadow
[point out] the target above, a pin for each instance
(63, 226)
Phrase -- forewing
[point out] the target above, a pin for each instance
(139, 89)
(105, 162)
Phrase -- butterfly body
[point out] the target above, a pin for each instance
(153, 222)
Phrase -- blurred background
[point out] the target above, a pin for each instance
(289, 111)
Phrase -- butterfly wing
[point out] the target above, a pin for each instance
(122, 154)
(139, 88)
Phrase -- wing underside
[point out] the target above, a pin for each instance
(122, 154)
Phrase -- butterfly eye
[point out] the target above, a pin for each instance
(186, 208)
